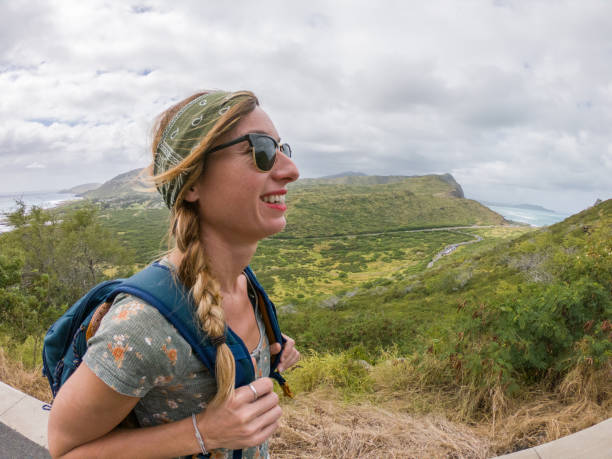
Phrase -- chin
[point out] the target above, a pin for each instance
(271, 230)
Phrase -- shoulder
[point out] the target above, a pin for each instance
(131, 316)
(136, 348)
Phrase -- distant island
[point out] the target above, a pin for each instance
(518, 206)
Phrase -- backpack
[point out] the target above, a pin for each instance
(65, 343)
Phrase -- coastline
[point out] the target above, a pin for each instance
(531, 217)
(43, 199)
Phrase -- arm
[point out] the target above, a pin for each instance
(86, 411)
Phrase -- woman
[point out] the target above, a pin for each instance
(220, 169)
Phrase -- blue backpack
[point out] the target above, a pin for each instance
(65, 343)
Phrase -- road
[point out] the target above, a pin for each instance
(13, 445)
(451, 248)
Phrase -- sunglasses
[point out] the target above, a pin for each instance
(264, 149)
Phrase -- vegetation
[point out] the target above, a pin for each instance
(516, 334)
(46, 263)
(412, 203)
(504, 343)
(319, 208)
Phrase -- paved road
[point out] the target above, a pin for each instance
(451, 248)
(13, 445)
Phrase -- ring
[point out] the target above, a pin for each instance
(254, 391)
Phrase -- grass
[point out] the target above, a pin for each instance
(23, 377)
(317, 425)
(315, 268)
(396, 413)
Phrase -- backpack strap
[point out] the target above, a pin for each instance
(268, 313)
(157, 286)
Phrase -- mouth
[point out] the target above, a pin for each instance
(275, 199)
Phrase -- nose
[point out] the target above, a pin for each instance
(284, 169)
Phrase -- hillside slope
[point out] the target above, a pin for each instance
(124, 190)
(516, 334)
(515, 313)
(350, 205)
(316, 208)
(80, 189)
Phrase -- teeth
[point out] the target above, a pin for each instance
(274, 199)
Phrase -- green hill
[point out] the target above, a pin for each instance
(125, 190)
(355, 204)
(80, 189)
(316, 207)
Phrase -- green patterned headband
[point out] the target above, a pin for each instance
(184, 132)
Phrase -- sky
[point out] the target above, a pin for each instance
(513, 98)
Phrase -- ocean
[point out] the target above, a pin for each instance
(44, 199)
(534, 217)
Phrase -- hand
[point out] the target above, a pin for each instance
(242, 421)
(290, 355)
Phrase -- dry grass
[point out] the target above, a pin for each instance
(316, 425)
(409, 418)
(582, 399)
(26, 380)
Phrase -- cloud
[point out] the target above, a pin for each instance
(505, 95)
(36, 165)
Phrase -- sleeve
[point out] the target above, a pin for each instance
(136, 348)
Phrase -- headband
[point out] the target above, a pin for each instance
(184, 132)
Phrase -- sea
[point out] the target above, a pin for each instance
(44, 199)
(533, 217)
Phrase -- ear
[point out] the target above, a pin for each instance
(193, 193)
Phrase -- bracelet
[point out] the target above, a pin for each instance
(198, 436)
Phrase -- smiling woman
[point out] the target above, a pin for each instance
(221, 169)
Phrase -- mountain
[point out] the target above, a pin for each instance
(361, 204)
(355, 178)
(126, 189)
(80, 189)
(345, 174)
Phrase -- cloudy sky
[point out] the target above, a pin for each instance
(514, 98)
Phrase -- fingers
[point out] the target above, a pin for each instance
(263, 405)
(275, 348)
(245, 394)
(265, 433)
(290, 355)
(267, 423)
(242, 421)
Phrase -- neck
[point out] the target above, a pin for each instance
(227, 259)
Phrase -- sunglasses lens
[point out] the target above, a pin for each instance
(265, 152)
(286, 149)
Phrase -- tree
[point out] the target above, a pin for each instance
(48, 261)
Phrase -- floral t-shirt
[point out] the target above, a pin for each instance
(137, 352)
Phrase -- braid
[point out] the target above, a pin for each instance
(195, 274)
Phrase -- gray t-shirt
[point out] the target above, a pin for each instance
(137, 352)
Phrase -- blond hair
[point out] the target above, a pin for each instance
(194, 270)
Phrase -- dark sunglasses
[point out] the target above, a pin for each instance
(264, 149)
